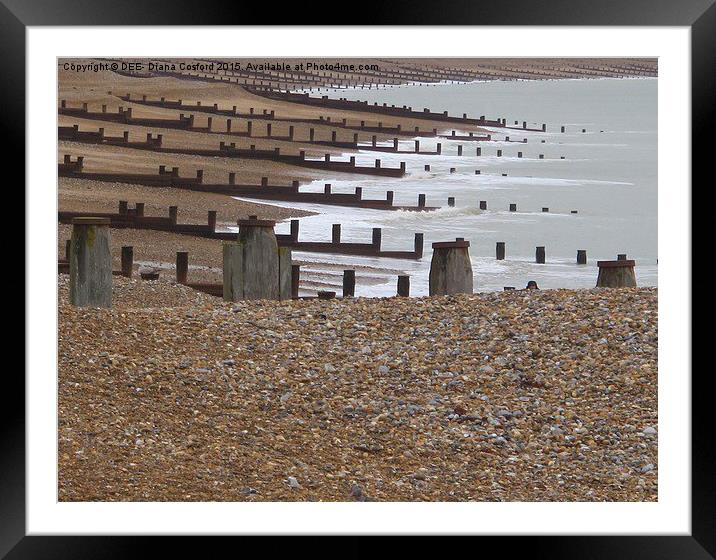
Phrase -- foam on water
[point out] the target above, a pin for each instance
(609, 177)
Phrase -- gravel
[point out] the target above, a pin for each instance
(174, 395)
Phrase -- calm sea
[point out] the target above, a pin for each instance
(609, 175)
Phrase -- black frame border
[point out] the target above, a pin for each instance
(699, 15)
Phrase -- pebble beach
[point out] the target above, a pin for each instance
(544, 395)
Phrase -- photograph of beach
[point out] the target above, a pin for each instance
(379, 279)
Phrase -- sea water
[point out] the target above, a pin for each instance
(608, 175)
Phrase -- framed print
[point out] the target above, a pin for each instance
(423, 274)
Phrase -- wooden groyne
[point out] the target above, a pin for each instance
(286, 193)
(134, 218)
(384, 109)
(155, 144)
(266, 114)
(74, 134)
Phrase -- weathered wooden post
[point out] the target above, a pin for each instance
(545, 209)
(513, 207)
(450, 268)
(500, 251)
(581, 256)
(616, 274)
(349, 283)
(182, 266)
(483, 205)
(404, 286)
(91, 263)
(427, 167)
(459, 150)
(211, 220)
(451, 201)
(252, 268)
(295, 279)
(539, 255)
(499, 153)
(336, 233)
(285, 273)
(377, 237)
(127, 259)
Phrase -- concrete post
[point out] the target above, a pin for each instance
(91, 263)
(349, 283)
(403, 286)
(450, 268)
(127, 259)
(616, 274)
(500, 251)
(539, 255)
(182, 266)
(251, 263)
(581, 256)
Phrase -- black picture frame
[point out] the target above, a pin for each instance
(699, 15)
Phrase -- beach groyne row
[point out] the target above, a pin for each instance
(286, 193)
(322, 120)
(256, 265)
(134, 218)
(384, 109)
(125, 116)
(232, 151)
